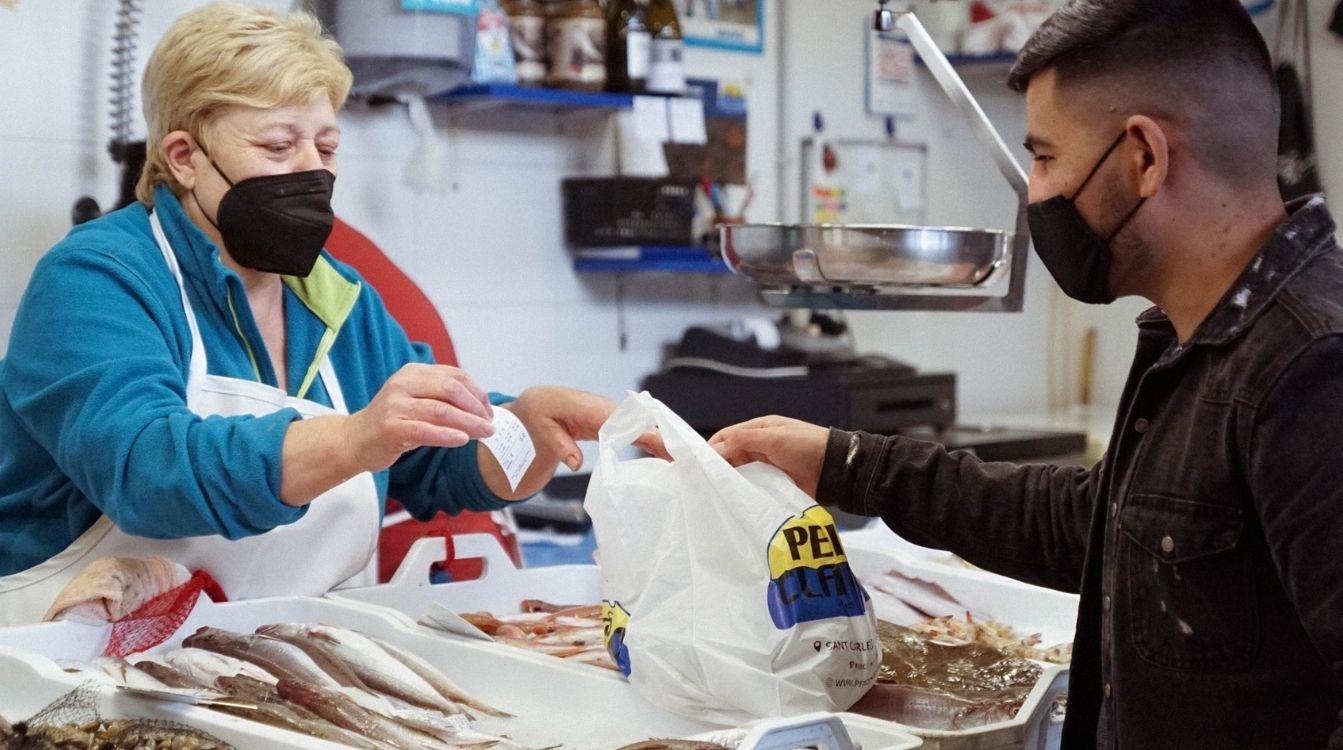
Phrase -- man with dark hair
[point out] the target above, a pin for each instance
(1206, 544)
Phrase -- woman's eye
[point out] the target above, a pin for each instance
(278, 148)
(1042, 159)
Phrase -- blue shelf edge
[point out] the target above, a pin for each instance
(534, 97)
(660, 265)
(656, 259)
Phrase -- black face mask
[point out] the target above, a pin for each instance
(276, 223)
(1077, 257)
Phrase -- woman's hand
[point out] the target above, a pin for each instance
(796, 448)
(421, 405)
(556, 420)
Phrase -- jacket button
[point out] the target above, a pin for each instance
(1140, 426)
(1167, 544)
(1107, 690)
(1114, 509)
(1107, 602)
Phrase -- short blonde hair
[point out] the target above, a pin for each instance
(228, 54)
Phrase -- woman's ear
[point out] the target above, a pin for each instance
(178, 147)
(1150, 164)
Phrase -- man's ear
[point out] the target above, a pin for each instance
(178, 147)
(1149, 164)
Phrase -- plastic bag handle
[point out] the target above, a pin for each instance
(641, 413)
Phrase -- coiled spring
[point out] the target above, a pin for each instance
(122, 100)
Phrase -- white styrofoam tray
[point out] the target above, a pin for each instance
(555, 703)
(503, 586)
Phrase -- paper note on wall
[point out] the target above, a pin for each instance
(687, 121)
(650, 118)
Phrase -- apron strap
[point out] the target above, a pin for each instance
(199, 365)
(332, 384)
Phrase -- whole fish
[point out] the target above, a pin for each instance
(572, 637)
(433, 723)
(206, 666)
(128, 675)
(340, 710)
(439, 681)
(271, 709)
(377, 669)
(271, 654)
(321, 654)
(169, 676)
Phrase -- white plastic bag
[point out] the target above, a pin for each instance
(727, 594)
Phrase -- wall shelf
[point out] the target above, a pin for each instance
(650, 259)
(490, 96)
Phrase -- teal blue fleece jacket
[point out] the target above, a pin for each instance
(93, 413)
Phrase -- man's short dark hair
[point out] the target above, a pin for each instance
(1200, 62)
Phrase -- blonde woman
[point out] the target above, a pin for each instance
(194, 377)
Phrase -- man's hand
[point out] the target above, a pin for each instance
(795, 447)
(556, 419)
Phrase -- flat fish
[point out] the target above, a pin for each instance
(933, 685)
(113, 587)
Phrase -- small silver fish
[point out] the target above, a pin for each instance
(206, 666)
(126, 674)
(271, 654)
(338, 709)
(440, 682)
(374, 666)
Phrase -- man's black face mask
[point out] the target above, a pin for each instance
(1077, 257)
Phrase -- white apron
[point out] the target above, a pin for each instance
(332, 545)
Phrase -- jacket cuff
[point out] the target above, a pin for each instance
(851, 461)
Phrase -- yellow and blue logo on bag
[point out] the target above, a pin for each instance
(615, 619)
(810, 577)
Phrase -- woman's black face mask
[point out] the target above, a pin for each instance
(1077, 257)
(276, 223)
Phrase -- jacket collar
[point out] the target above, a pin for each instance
(329, 292)
(1307, 233)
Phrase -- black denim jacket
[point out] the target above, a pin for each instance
(1208, 543)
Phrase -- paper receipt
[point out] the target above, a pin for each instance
(511, 445)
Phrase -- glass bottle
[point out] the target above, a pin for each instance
(666, 71)
(628, 46)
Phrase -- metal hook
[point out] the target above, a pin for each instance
(885, 17)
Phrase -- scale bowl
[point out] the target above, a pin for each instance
(858, 256)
